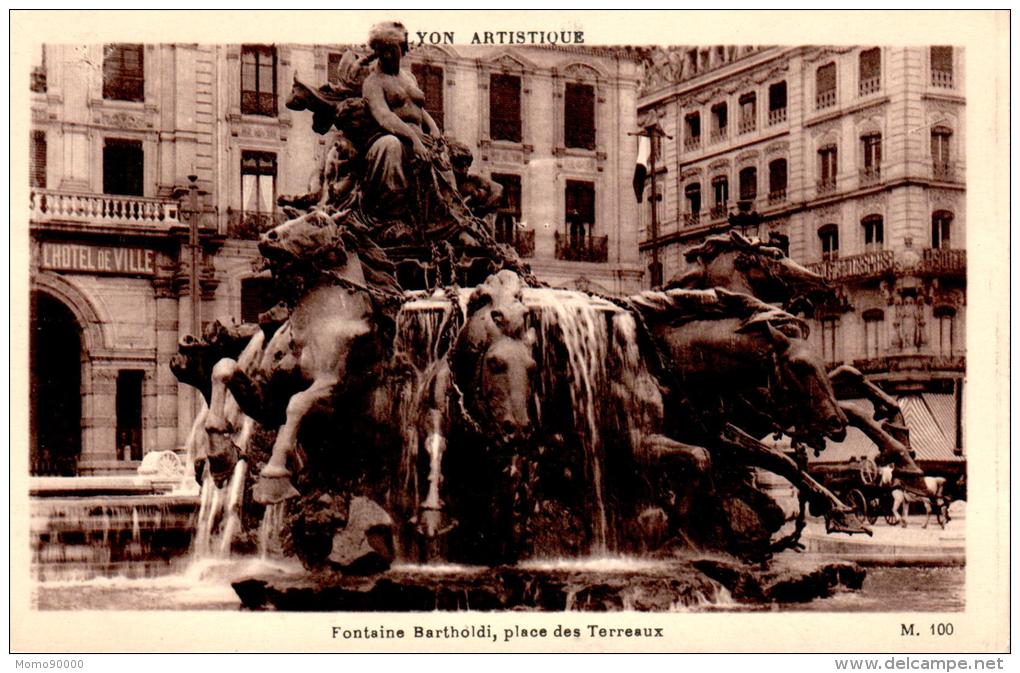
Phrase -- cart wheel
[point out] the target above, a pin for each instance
(891, 519)
(868, 471)
(857, 500)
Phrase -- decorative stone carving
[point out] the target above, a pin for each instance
(123, 120)
(581, 71)
(778, 147)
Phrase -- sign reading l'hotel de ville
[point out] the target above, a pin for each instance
(120, 260)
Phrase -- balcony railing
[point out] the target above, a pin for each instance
(521, 240)
(777, 116)
(870, 85)
(717, 136)
(582, 249)
(692, 219)
(825, 99)
(249, 226)
(942, 79)
(871, 175)
(692, 142)
(53, 206)
(777, 196)
(827, 185)
(943, 261)
(37, 82)
(943, 172)
(747, 125)
(911, 362)
(719, 211)
(857, 266)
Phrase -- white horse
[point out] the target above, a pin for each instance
(902, 497)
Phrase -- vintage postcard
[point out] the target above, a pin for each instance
(422, 331)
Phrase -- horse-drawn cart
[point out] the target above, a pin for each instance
(858, 484)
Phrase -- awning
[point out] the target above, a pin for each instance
(932, 421)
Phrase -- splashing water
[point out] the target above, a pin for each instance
(219, 514)
(270, 529)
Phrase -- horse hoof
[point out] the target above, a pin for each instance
(271, 490)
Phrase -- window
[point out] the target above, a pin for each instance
(718, 121)
(37, 80)
(258, 182)
(692, 128)
(870, 71)
(941, 166)
(777, 103)
(829, 237)
(430, 81)
(871, 151)
(748, 183)
(257, 296)
(580, 211)
(748, 113)
(830, 333)
(873, 319)
(129, 414)
(123, 165)
(941, 226)
(124, 72)
(873, 233)
(37, 160)
(505, 107)
(827, 168)
(825, 86)
(333, 68)
(509, 213)
(258, 80)
(946, 316)
(942, 67)
(579, 116)
(777, 180)
(721, 195)
(692, 192)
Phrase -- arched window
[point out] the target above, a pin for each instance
(942, 67)
(830, 338)
(748, 183)
(828, 235)
(828, 166)
(871, 153)
(693, 194)
(946, 316)
(873, 318)
(825, 86)
(777, 180)
(941, 229)
(874, 236)
(870, 71)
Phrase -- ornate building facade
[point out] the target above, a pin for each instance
(856, 155)
(126, 137)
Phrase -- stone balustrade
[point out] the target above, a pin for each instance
(102, 209)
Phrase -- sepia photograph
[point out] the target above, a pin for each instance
(434, 319)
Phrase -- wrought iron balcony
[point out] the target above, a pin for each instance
(521, 240)
(911, 362)
(582, 249)
(747, 125)
(692, 219)
(942, 79)
(249, 225)
(825, 100)
(720, 211)
(692, 143)
(777, 116)
(943, 172)
(944, 261)
(777, 196)
(871, 175)
(826, 186)
(868, 265)
(870, 85)
(102, 209)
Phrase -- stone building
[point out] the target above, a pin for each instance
(126, 137)
(856, 156)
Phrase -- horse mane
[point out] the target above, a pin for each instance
(679, 307)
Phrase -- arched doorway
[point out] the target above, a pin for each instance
(55, 353)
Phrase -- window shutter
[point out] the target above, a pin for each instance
(942, 59)
(579, 116)
(870, 64)
(430, 81)
(777, 175)
(505, 107)
(37, 160)
(825, 78)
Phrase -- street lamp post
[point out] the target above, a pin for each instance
(193, 245)
(653, 132)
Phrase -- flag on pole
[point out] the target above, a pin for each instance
(644, 153)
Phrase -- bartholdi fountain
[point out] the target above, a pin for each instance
(426, 426)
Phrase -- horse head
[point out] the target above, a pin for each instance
(312, 236)
(494, 359)
(799, 390)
